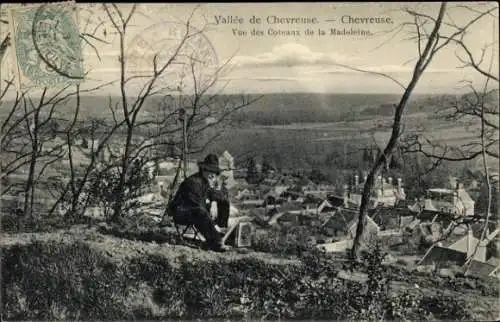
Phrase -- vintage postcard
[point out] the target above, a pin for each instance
(332, 161)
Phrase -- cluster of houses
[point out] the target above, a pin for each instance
(283, 199)
(286, 200)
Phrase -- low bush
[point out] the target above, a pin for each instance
(292, 240)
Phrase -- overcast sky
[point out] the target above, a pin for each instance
(307, 63)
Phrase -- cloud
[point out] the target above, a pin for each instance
(291, 55)
(386, 69)
(298, 55)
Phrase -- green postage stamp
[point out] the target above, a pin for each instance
(46, 42)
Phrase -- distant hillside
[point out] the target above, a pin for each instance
(276, 109)
(270, 109)
(491, 96)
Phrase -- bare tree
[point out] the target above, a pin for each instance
(131, 110)
(479, 111)
(428, 45)
(197, 98)
(31, 130)
(128, 125)
(25, 134)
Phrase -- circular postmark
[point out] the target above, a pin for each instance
(177, 58)
(48, 45)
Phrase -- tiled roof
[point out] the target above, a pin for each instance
(326, 206)
(369, 222)
(427, 215)
(451, 239)
(258, 212)
(312, 200)
(391, 211)
(387, 220)
(336, 201)
(439, 254)
(403, 203)
(290, 207)
(341, 219)
(481, 269)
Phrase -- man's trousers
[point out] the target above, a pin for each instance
(203, 222)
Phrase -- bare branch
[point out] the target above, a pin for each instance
(372, 72)
(472, 62)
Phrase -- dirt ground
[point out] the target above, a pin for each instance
(125, 249)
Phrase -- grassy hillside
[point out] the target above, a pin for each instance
(84, 275)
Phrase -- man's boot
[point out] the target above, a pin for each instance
(219, 248)
(217, 245)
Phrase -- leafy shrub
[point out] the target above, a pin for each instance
(283, 241)
(104, 182)
(445, 307)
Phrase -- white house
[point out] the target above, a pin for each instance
(279, 189)
(385, 192)
(226, 163)
(453, 201)
(247, 194)
(461, 251)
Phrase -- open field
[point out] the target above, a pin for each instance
(316, 140)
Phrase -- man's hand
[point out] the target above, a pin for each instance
(217, 184)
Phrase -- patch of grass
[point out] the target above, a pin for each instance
(17, 223)
(43, 281)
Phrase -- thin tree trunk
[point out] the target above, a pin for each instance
(176, 179)
(74, 196)
(396, 129)
(486, 172)
(29, 189)
(118, 199)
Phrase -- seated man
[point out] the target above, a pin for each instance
(191, 203)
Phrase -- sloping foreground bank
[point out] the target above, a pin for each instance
(66, 280)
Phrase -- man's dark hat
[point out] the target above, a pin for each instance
(211, 163)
